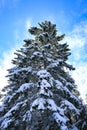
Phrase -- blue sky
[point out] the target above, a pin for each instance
(70, 16)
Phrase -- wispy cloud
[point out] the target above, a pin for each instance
(78, 36)
(5, 62)
(27, 24)
(77, 40)
(80, 76)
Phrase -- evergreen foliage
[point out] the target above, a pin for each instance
(41, 94)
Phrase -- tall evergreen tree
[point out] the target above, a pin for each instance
(41, 94)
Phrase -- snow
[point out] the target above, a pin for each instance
(69, 84)
(43, 92)
(54, 63)
(43, 74)
(45, 84)
(14, 108)
(37, 53)
(62, 79)
(60, 120)
(59, 86)
(1, 108)
(40, 103)
(27, 116)
(15, 70)
(52, 106)
(24, 87)
(63, 127)
(7, 98)
(58, 83)
(8, 117)
(68, 104)
(49, 59)
(70, 94)
(49, 44)
(84, 124)
(6, 122)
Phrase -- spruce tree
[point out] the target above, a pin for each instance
(41, 94)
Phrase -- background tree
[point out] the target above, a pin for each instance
(41, 93)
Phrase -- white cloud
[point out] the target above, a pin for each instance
(27, 24)
(77, 40)
(78, 36)
(5, 63)
(80, 76)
